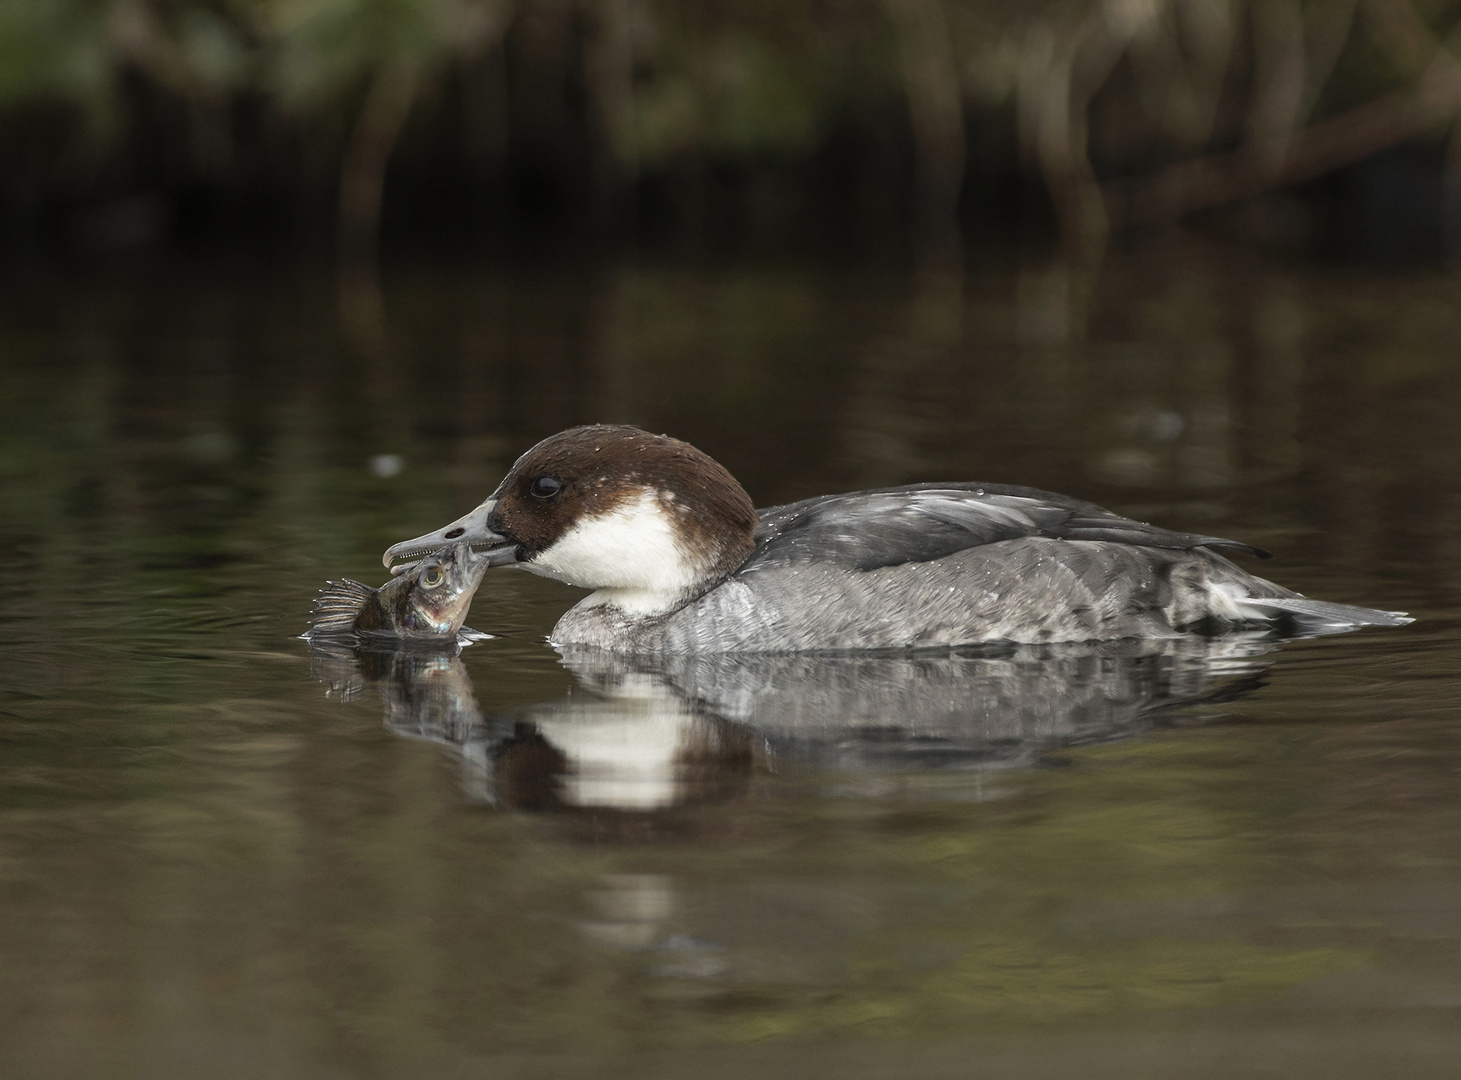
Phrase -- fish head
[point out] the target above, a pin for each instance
(431, 599)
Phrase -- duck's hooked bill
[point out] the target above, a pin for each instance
(470, 528)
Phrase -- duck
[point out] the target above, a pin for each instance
(679, 561)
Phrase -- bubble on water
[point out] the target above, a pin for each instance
(386, 466)
(1166, 425)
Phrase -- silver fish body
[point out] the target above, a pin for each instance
(430, 601)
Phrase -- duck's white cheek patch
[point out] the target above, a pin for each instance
(633, 556)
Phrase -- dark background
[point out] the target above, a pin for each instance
(860, 127)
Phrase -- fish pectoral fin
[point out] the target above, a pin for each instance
(338, 605)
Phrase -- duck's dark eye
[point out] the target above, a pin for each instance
(544, 487)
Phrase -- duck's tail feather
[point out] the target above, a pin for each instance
(1322, 617)
(337, 606)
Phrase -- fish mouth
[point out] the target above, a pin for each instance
(470, 529)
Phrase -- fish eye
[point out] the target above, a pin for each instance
(432, 577)
(544, 487)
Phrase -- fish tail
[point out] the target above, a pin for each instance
(338, 606)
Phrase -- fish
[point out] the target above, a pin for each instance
(430, 601)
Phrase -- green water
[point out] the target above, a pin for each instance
(222, 857)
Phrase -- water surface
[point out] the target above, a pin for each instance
(222, 855)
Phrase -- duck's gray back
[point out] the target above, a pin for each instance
(1024, 590)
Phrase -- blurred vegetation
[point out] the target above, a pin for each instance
(123, 120)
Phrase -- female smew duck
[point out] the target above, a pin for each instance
(680, 561)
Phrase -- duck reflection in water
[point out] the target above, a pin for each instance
(624, 751)
(645, 737)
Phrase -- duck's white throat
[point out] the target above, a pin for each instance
(633, 557)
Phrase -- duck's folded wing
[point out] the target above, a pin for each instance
(869, 529)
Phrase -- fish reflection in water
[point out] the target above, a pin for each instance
(657, 734)
(426, 691)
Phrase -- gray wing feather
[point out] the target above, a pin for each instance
(1321, 616)
(866, 530)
